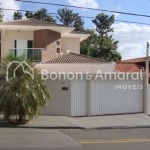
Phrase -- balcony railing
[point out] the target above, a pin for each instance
(32, 53)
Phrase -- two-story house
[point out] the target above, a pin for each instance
(39, 40)
(47, 43)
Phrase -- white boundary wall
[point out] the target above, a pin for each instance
(60, 102)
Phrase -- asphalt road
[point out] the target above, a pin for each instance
(114, 139)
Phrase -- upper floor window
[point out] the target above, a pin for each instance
(58, 46)
(25, 48)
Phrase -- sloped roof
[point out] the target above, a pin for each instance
(31, 22)
(73, 58)
(128, 67)
(136, 60)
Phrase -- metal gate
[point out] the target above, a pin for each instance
(116, 96)
(78, 98)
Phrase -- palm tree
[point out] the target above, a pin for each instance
(22, 96)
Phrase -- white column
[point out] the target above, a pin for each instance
(146, 96)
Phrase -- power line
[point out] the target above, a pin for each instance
(133, 22)
(104, 10)
(87, 17)
(24, 10)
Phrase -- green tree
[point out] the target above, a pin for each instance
(89, 46)
(104, 24)
(29, 14)
(17, 15)
(79, 23)
(22, 97)
(101, 43)
(1, 15)
(106, 43)
(69, 18)
(114, 56)
(41, 14)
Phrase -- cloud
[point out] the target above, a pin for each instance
(119, 7)
(84, 3)
(129, 50)
(9, 4)
(132, 39)
(117, 14)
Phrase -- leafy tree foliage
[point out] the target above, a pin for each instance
(101, 43)
(89, 45)
(104, 24)
(1, 15)
(17, 15)
(114, 56)
(22, 96)
(69, 18)
(41, 14)
(29, 14)
(79, 23)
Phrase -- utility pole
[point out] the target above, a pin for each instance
(147, 62)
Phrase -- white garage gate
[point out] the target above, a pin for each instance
(78, 98)
(110, 97)
(95, 97)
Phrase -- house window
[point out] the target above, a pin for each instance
(25, 48)
(58, 46)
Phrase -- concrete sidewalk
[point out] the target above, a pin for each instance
(101, 122)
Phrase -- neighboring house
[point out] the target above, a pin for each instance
(37, 39)
(138, 62)
(133, 65)
(129, 67)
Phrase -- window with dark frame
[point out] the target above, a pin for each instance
(58, 46)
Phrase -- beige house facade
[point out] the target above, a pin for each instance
(39, 40)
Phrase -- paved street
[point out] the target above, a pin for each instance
(113, 139)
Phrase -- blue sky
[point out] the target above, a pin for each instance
(132, 37)
(132, 6)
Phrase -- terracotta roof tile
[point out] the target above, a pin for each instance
(128, 67)
(31, 22)
(72, 58)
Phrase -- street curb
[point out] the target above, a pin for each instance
(67, 127)
(55, 128)
(120, 127)
(36, 127)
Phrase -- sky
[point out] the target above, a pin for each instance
(132, 37)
